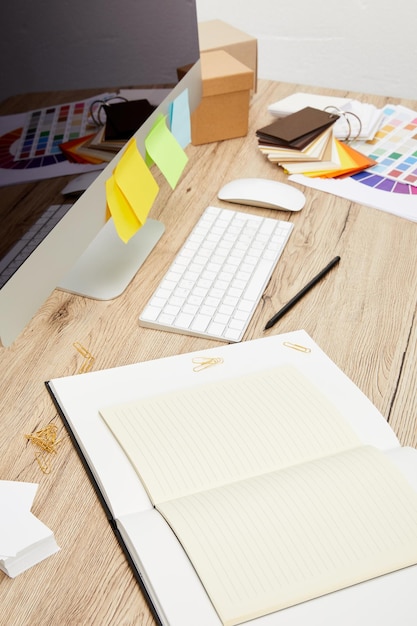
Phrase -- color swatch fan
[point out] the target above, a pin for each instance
(304, 143)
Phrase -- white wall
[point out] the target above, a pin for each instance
(360, 45)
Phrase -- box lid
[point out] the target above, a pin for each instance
(222, 73)
(215, 34)
(219, 35)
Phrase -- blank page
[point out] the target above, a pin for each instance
(273, 541)
(198, 438)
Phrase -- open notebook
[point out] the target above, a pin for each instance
(282, 486)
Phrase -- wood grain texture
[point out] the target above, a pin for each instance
(363, 314)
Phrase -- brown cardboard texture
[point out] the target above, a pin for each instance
(223, 112)
(218, 35)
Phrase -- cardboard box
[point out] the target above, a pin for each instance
(218, 35)
(223, 112)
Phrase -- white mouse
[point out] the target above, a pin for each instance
(263, 192)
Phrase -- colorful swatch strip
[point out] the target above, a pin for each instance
(46, 129)
(394, 148)
(37, 144)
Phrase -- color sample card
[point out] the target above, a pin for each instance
(298, 129)
(30, 142)
(394, 148)
(46, 129)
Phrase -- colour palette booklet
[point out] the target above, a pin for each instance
(30, 142)
(391, 184)
(304, 143)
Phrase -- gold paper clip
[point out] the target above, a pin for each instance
(46, 440)
(296, 346)
(87, 365)
(202, 362)
(88, 358)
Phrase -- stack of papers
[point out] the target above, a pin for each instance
(24, 539)
(304, 143)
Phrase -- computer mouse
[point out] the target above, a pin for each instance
(263, 192)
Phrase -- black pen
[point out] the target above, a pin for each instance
(301, 293)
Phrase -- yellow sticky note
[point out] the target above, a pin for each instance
(166, 152)
(125, 220)
(136, 182)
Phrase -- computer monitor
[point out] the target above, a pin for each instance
(83, 253)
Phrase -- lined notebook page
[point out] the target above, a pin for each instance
(276, 540)
(199, 438)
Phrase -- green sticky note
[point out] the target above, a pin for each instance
(165, 151)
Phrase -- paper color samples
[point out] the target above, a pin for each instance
(298, 130)
(350, 162)
(313, 153)
(394, 147)
(45, 129)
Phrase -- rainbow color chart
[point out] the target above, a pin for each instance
(391, 184)
(43, 131)
(46, 129)
(394, 147)
(30, 142)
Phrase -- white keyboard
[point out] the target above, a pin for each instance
(217, 278)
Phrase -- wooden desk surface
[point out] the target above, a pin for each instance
(364, 315)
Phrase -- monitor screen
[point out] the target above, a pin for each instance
(95, 44)
(73, 255)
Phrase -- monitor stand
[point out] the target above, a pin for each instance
(108, 265)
